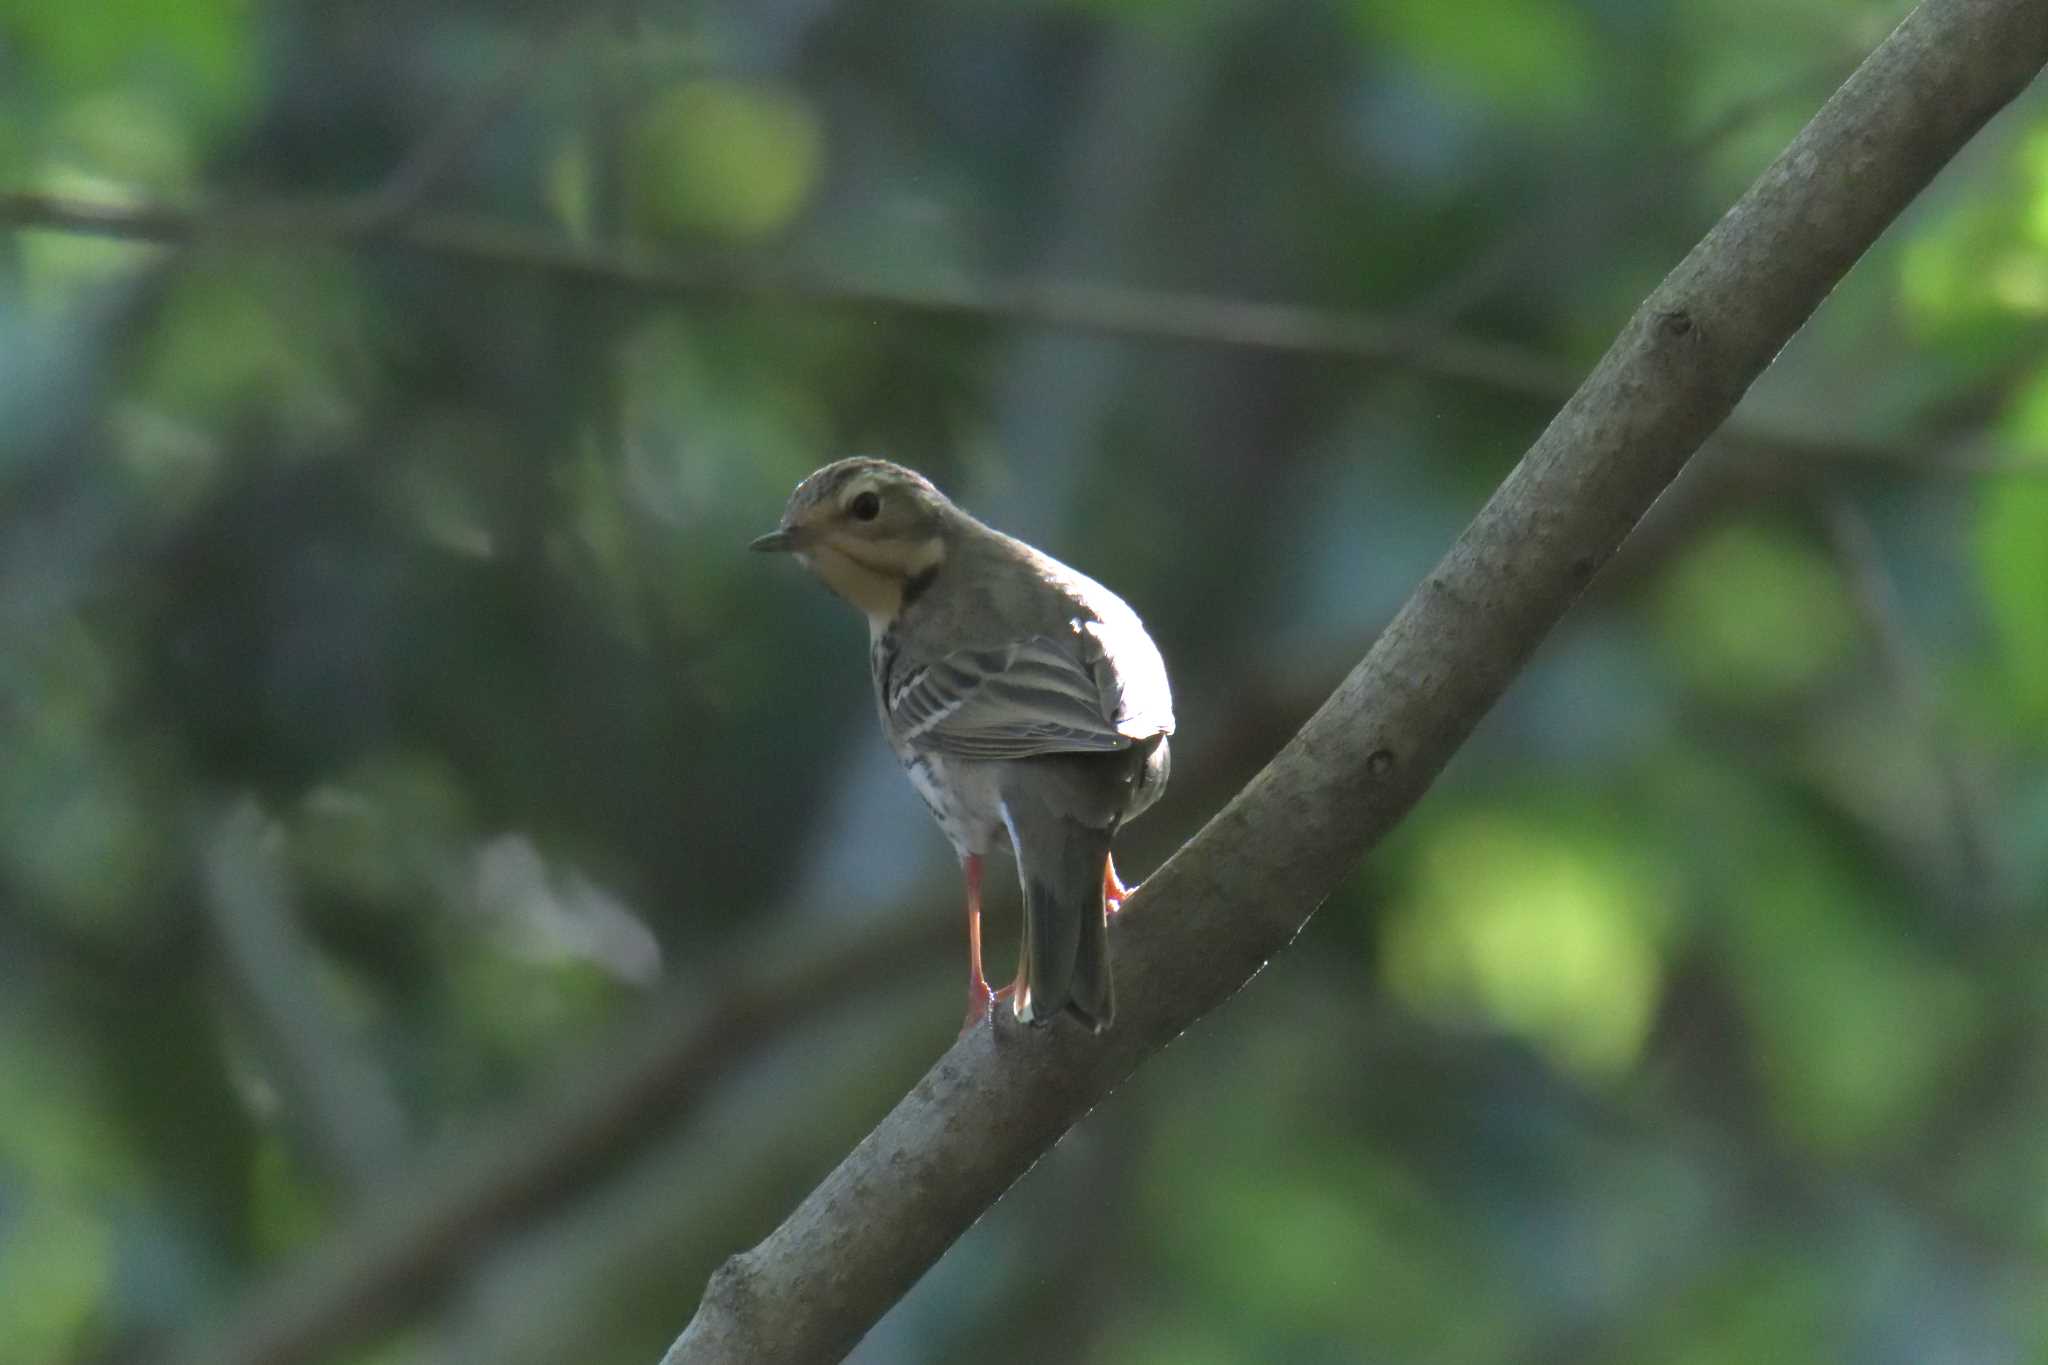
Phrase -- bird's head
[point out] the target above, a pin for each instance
(872, 530)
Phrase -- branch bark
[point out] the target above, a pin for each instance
(1239, 892)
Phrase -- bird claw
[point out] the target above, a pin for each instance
(1114, 892)
(981, 1002)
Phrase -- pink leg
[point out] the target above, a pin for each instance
(979, 996)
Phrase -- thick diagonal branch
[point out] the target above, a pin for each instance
(1243, 887)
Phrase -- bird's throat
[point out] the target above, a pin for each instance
(880, 585)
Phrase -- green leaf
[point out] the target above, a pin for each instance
(1826, 984)
(727, 157)
(1981, 271)
(286, 1212)
(288, 336)
(1768, 1307)
(1755, 613)
(2011, 548)
(56, 1260)
(79, 826)
(53, 1133)
(196, 51)
(1528, 58)
(1547, 933)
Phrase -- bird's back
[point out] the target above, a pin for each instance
(1000, 590)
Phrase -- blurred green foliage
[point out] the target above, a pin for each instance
(1693, 1017)
(1547, 930)
(741, 160)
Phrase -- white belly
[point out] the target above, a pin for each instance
(961, 795)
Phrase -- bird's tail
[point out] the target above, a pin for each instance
(1065, 957)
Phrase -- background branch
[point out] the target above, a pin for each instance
(1104, 310)
(1977, 884)
(428, 1227)
(1091, 308)
(1107, 310)
(340, 1104)
(442, 152)
(1243, 887)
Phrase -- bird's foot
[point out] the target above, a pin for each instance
(1114, 892)
(981, 1001)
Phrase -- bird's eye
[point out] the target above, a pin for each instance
(866, 507)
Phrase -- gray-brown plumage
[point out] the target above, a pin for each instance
(1025, 701)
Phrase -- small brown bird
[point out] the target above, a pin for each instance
(1023, 699)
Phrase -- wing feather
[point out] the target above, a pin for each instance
(1040, 695)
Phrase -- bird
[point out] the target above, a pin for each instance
(1025, 701)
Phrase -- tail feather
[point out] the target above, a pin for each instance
(1064, 964)
(1092, 998)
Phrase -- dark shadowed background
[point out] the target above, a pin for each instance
(451, 895)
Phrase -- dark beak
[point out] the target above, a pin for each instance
(783, 538)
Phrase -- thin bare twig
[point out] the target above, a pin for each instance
(409, 1245)
(443, 150)
(545, 1298)
(340, 1105)
(1155, 315)
(1091, 308)
(1442, 306)
(1979, 865)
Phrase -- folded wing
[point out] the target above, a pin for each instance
(1043, 695)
